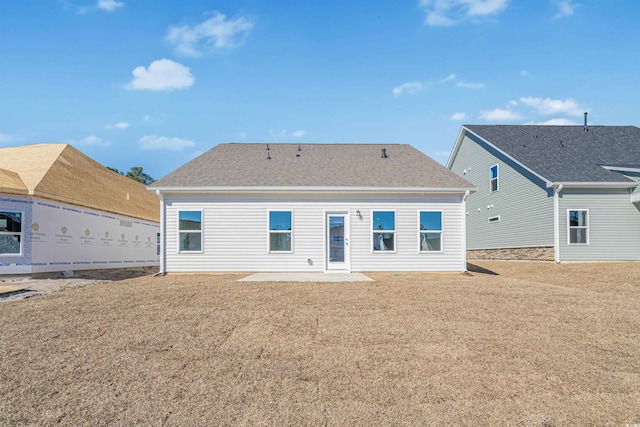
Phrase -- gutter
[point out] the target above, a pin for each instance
(464, 231)
(289, 189)
(556, 223)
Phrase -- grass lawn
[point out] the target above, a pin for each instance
(531, 344)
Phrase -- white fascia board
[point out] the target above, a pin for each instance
(621, 169)
(629, 184)
(548, 182)
(333, 190)
(456, 147)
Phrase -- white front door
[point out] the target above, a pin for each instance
(337, 241)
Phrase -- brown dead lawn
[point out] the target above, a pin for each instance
(535, 344)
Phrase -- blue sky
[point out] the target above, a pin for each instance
(155, 83)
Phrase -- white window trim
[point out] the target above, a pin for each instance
(191, 231)
(441, 231)
(569, 227)
(497, 178)
(12, 233)
(497, 219)
(395, 227)
(269, 231)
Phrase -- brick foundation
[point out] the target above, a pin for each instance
(544, 253)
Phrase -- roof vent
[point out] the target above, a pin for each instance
(298, 151)
(268, 153)
(586, 128)
(561, 144)
(384, 153)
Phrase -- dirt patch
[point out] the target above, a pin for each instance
(19, 288)
(532, 344)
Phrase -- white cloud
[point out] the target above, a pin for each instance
(155, 142)
(214, 34)
(449, 78)
(470, 85)
(242, 135)
(550, 106)
(443, 13)
(277, 134)
(565, 8)
(109, 5)
(119, 125)
(163, 74)
(458, 116)
(443, 153)
(409, 87)
(298, 133)
(90, 140)
(555, 122)
(524, 73)
(499, 115)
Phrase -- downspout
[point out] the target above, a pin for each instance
(163, 269)
(556, 223)
(464, 231)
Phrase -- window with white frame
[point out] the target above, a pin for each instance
(494, 178)
(280, 231)
(578, 226)
(384, 231)
(430, 233)
(190, 231)
(10, 233)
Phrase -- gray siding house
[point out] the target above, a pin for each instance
(563, 193)
(312, 207)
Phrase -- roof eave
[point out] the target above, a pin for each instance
(578, 184)
(297, 190)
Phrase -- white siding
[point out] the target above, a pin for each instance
(235, 235)
(614, 225)
(522, 202)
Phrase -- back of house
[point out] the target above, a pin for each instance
(312, 207)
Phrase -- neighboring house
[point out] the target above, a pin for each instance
(60, 210)
(312, 207)
(563, 193)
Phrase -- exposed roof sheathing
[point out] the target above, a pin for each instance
(567, 153)
(315, 165)
(60, 172)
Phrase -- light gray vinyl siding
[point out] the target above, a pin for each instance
(235, 233)
(614, 225)
(522, 202)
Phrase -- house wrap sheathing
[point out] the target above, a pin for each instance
(61, 210)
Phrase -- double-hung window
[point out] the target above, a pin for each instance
(494, 178)
(384, 231)
(190, 231)
(280, 231)
(430, 233)
(578, 227)
(10, 233)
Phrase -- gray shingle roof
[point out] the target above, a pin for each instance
(318, 165)
(567, 153)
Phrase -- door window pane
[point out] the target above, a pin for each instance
(336, 239)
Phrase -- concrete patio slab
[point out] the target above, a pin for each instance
(306, 277)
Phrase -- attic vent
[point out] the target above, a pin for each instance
(586, 128)
(384, 153)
